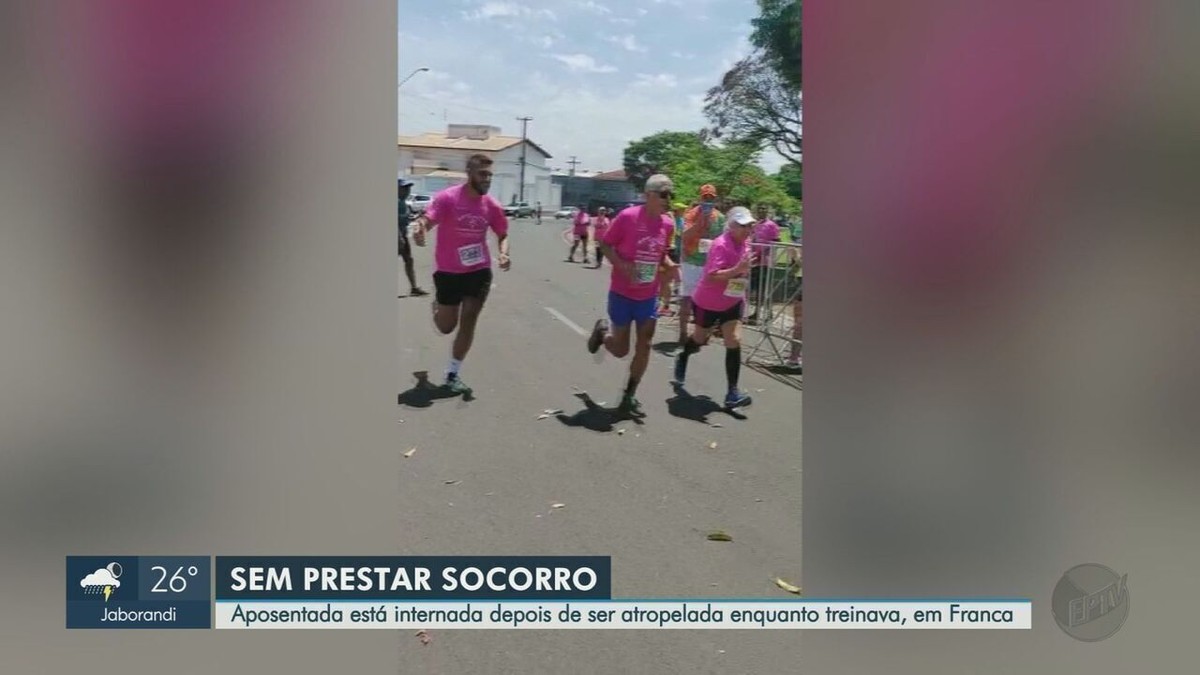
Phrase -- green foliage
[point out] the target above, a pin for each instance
(759, 99)
(777, 34)
(652, 154)
(791, 179)
(692, 162)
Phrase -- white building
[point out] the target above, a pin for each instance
(434, 161)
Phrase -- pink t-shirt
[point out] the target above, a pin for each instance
(462, 225)
(718, 296)
(765, 232)
(581, 222)
(600, 224)
(642, 239)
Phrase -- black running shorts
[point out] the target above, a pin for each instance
(707, 318)
(452, 288)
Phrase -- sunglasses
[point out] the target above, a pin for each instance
(667, 194)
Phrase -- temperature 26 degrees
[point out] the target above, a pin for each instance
(177, 582)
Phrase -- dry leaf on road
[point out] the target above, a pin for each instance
(719, 536)
(453, 482)
(790, 588)
(410, 452)
(423, 637)
(557, 506)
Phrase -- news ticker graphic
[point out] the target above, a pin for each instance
(693, 614)
(458, 592)
(302, 579)
(139, 592)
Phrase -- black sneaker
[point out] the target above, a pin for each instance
(597, 337)
(630, 406)
(455, 385)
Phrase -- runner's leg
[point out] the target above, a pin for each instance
(731, 332)
(638, 364)
(447, 305)
(691, 344)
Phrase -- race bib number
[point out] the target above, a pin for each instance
(705, 244)
(736, 288)
(470, 255)
(646, 272)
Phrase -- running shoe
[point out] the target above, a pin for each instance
(597, 337)
(737, 399)
(455, 384)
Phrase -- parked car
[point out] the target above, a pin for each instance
(566, 213)
(519, 210)
(418, 203)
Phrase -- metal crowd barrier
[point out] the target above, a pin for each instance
(769, 309)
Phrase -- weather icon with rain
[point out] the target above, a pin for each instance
(105, 580)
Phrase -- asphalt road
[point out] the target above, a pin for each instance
(645, 493)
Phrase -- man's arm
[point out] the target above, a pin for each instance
(612, 239)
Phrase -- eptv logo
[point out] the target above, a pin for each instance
(1090, 602)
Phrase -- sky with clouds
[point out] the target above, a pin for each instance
(592, 75)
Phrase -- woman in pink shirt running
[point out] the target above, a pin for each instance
(718, 301)
(599, 229)
(580, 232)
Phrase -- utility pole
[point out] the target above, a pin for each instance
(524, 121)
(573, 162)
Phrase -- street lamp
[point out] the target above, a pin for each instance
(410, 75)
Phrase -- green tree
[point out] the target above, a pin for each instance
(655, 153)
(791, 179)
(777, 34)
(731, 167)
(759, 100)
(753, 104)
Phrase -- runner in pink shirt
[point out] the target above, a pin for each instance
(719, 299)
(580, 232)
(599, 229)
(636, 244)
(463, 264)
(766, 232)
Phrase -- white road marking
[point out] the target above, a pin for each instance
(570, 324)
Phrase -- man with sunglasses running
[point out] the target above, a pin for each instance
(636, 245)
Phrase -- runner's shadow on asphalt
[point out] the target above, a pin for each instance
(424, 393)
(596, 417)
(666, 347)
(686, 406)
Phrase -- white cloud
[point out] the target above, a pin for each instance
(582, 63)
(624, 21)
(642, 11)
(592, 6)
(659, 80)
(681, 55)
(547, 42)
(491, 10)
(612, 118)
(505, 10)
(629, 42)
(100, 577)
